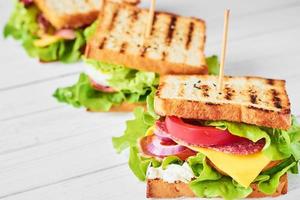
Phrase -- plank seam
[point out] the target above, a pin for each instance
(63, 180)
(38, 81)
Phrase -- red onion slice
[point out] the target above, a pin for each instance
(67, 34)
(155, 147)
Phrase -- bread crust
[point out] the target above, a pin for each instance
(228, 112)
(157, 188)
(123, 107)
(142, 63)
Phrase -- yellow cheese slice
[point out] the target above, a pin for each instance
(150, 130)
(242, 168)
(46, 40)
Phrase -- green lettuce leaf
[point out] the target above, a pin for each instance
(23, 26)
(210, 183)
(269, 186)
(133, 86)
(171, 160)
(284, 143)
(201, 169)
(125, 79)
(251, 132)
(82, 94)
(22, 21)
(223, 187)
(213, 65)
(90, 30)
(135, 129)
(137, 164)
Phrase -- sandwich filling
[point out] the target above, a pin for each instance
(225, 158)
(103, 85)
(40, 39)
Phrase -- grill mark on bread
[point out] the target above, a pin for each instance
(261, 109)
(276, 99)
(181, 90)
(197, 85)
(253, 98)
(113, 20)
(229, 92)
(163, 56)
(205, 90)
(189, 36)
(144, 51)
(252, 95)
(102, 43)
(134, 16)
(123, 48)
(212, 104)
(153, 23)
(171, 29)
(286, 111)
(270, 81)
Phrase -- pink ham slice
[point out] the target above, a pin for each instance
(101, 88)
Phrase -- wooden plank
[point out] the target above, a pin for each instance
(56, 145)
(56, 125)
(215, 8)
(254, 24)
(116, 183)
(30, 99)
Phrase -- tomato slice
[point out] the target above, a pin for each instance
(198, 135)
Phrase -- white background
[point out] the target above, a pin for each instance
(53, 151)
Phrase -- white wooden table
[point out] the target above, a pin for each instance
(53, 151)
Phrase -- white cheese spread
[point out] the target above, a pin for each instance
(172, 173)
(96, 75)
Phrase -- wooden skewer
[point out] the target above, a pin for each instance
(150, 18)
(223, 53)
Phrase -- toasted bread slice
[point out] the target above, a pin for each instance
(72, 14)
(175, 45)
(157, 188)
(252, 100)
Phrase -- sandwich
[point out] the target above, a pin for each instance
(54, 30)
(196, 142)
(123, 66)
